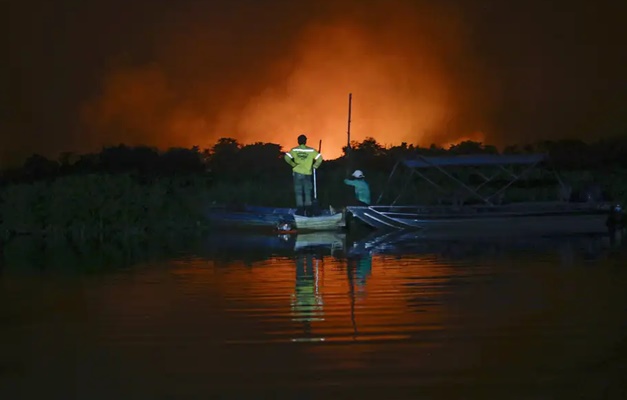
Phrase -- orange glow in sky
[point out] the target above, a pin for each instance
(403, 89)
(473, 136)
(188, 73)
(333, 61)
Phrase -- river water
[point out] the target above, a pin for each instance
(234, 315)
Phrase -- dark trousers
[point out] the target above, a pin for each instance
(303, 187)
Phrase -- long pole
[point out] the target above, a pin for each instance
(348, 135)
(315, 180)
(348, 132)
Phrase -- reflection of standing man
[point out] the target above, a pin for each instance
(363, 270)
(303, 159)
(307, 301)
(359, 270)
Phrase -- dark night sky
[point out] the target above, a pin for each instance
(77, 75)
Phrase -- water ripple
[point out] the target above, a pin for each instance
(387, 322)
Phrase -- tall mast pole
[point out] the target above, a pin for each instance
(348, 136)
(348, 144)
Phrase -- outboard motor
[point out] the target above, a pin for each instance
(284, 227)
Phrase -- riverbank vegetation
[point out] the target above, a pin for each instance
(140, 190)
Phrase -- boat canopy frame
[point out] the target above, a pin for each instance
(502, 163)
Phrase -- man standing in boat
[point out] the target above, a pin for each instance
(362, 189)
(303, 160)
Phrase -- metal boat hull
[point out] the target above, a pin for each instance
(527, 219)
(269, 217)
(323, 222)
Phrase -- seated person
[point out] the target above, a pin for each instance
(362, 189)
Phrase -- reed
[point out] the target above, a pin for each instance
(102, 205)
(263, 192)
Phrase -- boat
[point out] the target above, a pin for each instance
(485, 213)
(248, 216)
(319, 223)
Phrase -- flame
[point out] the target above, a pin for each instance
(402, 89)
(314, 99)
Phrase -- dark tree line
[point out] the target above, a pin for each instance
(228, 160)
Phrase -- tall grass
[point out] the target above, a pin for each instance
(112, 205)
(103, 205)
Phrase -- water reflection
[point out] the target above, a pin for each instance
(38, 254)
(330, 314)
(34, 254)
(568, 249)
(252, 247)
(359, 269)
(307, 302)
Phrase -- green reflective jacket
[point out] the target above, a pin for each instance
(303, 158)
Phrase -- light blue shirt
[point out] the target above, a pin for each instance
(362, 189)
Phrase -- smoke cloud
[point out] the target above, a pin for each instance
(77, 76)
(406, 64)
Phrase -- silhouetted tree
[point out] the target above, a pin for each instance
(39, 167)
(223, 161)
(472, 147)
(402, 151)
(178, 160)
(433, 150)
(512, 149)
(66, 162)
(367, 153)
(263, 160)
(86, 163)
(229, 161)
(116, 159)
